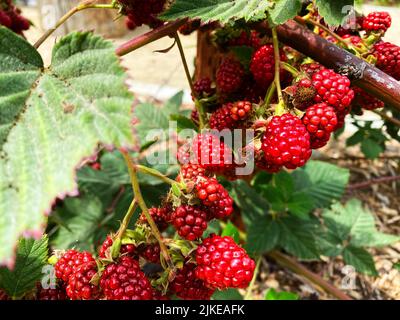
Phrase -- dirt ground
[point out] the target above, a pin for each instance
(160, 75)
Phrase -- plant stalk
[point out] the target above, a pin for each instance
(154, 173)
(127, 219)
(89, 4)
(142, 204)
(249, 291)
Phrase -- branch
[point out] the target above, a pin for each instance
(366, 184)
(165, 30)
(387, 118)
(296, 267)
(371, 79)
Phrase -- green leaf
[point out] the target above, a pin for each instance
(334, 12)
(66, 111)
(183, 122)
(229, 294)
(360, 259)
(213, 10)
(356, 225)
(284, 10)
(297, 237)
(371, 149)
(322, 182)
(231, 231)
(81, 218)
(253, 206)
(243, 54)
(30, 259)
(356, 138)
(262, 236)
(272, 294)
(154, 120)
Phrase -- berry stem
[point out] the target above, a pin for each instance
(184, 62)
(277, 58)
(142, 204)
(189, 79)
(89, 4)
(127, 219)
(286, 66)
(249, 292)
(155, 173)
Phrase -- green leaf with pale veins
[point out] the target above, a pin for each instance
(221, 10)
(284, 10)
(62, 114)
(360, 259)
(27, 271)
(334, 12)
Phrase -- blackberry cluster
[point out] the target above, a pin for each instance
(142, 12)
(10, 17)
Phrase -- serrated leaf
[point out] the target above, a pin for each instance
(284, 10)
(31, 258)
(81, 218)
(229, 294)
(356, 225)
(217, 10)
(272, 294)
(262, 236)
(77, 103)
(183, 122)
(322, 182)
(297, 237)
(334, 12)
(360, 259)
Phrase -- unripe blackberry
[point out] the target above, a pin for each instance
(124, 280)
(190, 222)
(186, 286)
(80, 286)
(377, 21)
(214, 196)
(229, 76)
(222, 264)
(69, 262)
(286, 142)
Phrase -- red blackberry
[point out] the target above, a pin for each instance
(388, 58)
(311, 68)
(5, 20)
(250, 39)
(377, 21)
(262, 65)
(190, 222)
(161, 217)
(125, 281)
(320, 119)
(186, 286)
(80, 286)
(211, 153)
(222, 264)
(241, 110)
(286, 142)
(229, 76)
(57, 293)
(125, 249)
(221, 118)
(304, 94)
(157, 295)
(192, 172)
(183, 154)
(366, 101)
(333, 89)
(189, 27)
(69, 262)
(214, 196)
(141, 12)
(203, 88)
(319, 142)
(150, 252)
(194, 116)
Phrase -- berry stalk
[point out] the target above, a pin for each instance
(89, 4)
(142, 204)
(249, 292)
(127, 219)
(155, 173)
(277, 79)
